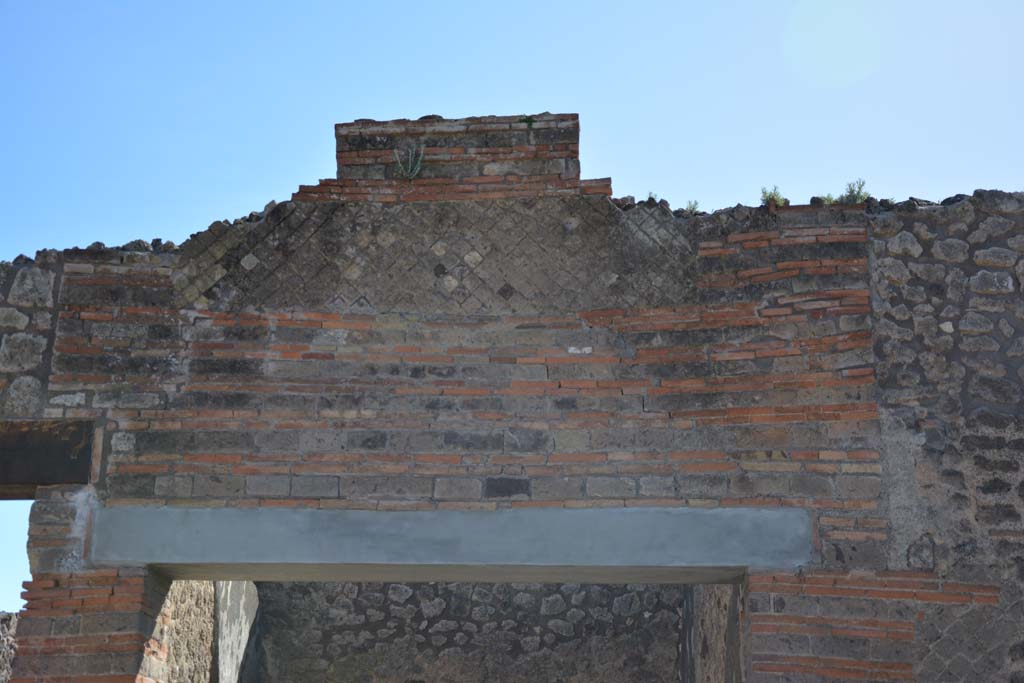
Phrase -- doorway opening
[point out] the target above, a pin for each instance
(441, 632)
(14, 515)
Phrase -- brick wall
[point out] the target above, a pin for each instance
(91, 625)
(115, 625)
(857, 362)
(634, 406)
(435, 159)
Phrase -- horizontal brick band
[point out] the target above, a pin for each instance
(908, 586)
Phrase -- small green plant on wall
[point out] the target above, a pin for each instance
(854, 194)
(409, 167)
(773, 195)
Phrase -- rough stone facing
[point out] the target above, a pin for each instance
(26, 334)
(951, 393)
(32, 288)
(21, 351)
(22, 398)
(182, 644)
(481, 632)
(8, 647)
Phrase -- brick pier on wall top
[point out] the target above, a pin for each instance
(821, 404)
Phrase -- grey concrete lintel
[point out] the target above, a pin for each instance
(650, 545)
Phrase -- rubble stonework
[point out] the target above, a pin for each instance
(534, 347)
(27, 323)
(508, 632)
(183, 640)
(948, 349)
(8, 627)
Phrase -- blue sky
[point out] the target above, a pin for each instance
(125, 120)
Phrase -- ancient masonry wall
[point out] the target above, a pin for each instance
(8, 647)
(27, 321)
(182, 649)
(435, 159)
(436, 632)
(861, 363)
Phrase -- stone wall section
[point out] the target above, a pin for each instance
(512, 633)
(947, 290)
(713, 637)
(237, 604)
(8, 646)
(182, 648)
(542, 255)
(757, 400)
(759, 395)
(27, 320)
(757, 389)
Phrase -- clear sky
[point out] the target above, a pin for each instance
(125, 120)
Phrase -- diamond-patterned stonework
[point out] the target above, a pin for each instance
(471, 257)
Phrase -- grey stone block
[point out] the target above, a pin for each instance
(355, 486)
(661, 487)
(23, 397)
(451, 488)
(557, 488)
(21, 351)
(217, 486)
(33, 287)
(314, 486)
(322, 440)
(13, 318)
(274, 485)
(610, 487)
